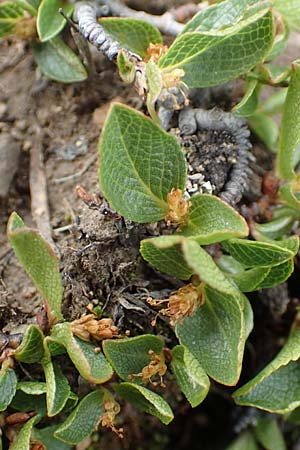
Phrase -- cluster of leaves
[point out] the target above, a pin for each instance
(143, 174)
(39, 22)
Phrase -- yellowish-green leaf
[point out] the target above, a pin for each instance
(189, 374)
(247, 106)
(38, 260)
(10, 15)
(290, 126)
(58, 388)
(145, 400)
(155, 85)
(49, 21)
(126, 67)
(139, 165)
(22, 441)
(212, 220)
(91, 365)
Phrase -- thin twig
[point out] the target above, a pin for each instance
(77, 174)
(166, 23)
(38, 189)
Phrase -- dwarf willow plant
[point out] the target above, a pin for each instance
(142, 174)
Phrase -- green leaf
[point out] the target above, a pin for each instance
(35, 401)
(22, 441)
(126, 67)
(39, 261)
(190, 376)
(31, 349)
(204, 266)
(134, 34)
(212, 220)
(32, 387)
(91, 365)
(139, 165)
(257, 254)
(269, 434)
(290, 126)
(215, 17)
(277, 387)
(10, 15)
(8, 385)
(47, 438)
(145, 400)
(290, 197)
(165, 254)
(34, 3)
(58, 62)
(129, 356)
(216, 334)
(247, 106)
(211, 59)
(266, 129)
(155, 85)
(229, 265)
(26, 6)
(58, 388)
(276, 228)
(291, 243)
(251, 280)
(246, 441)
(274, 103)
(278, 274)
(49, 21)
(290, 10)
(83, 420)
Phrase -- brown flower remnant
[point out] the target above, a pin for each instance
(112, 409)
(156, 366)
(89, 326)
(178, 211)
(182, 303)
(178, 208)
(155, 51)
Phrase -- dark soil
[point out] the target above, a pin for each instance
(100, 262)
